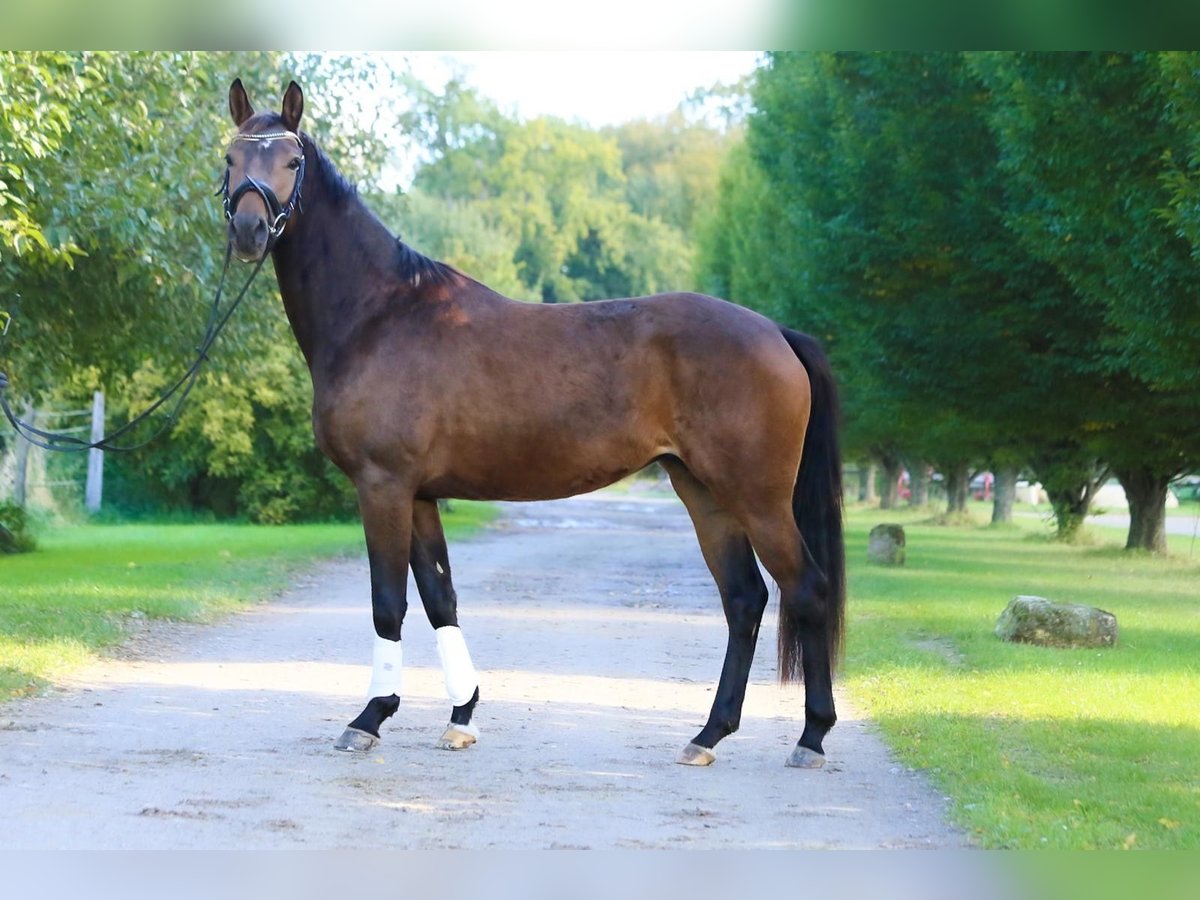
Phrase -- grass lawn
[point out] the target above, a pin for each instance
(62, 603)
(1038, 747)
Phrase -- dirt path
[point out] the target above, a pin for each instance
(598, 636)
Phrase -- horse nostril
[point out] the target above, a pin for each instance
(260, 228)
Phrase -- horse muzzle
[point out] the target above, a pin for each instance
(248, 234)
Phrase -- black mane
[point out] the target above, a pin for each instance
(416, 267)
(333, 183)
(411, 265)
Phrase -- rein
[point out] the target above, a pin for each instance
(278, 218)
(66, 443)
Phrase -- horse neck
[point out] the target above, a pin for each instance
(330, 265)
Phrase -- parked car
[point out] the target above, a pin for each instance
(982, 486)
(1187, 488)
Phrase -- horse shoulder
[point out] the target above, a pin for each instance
(380, 404)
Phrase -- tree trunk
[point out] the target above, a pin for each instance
(1070, 480)
(918, 482)
(872, 496)
(958, 481)
(867, 483)
(1006, 493)
(891, 478)
(1071, 505)
(1146, 492)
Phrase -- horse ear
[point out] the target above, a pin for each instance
(239, 103)
(293, 107)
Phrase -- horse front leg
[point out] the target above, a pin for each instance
(387, 513)
(431, 571)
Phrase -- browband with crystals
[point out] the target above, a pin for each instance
(269, 136)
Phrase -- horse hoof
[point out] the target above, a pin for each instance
(695, 755)
(458, 737)
(803, 758)
(355, 740)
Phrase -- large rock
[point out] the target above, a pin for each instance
(1036, 620)
(885, 545)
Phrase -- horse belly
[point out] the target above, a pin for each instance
(542, 464)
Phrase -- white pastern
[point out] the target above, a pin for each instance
(387, 669)
(457, 667)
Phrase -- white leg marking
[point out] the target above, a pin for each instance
(457, 667)
(387, 670)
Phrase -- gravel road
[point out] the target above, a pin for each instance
(598, 636)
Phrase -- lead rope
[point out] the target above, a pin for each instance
(49, 440)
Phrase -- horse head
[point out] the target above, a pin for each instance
(264, 161)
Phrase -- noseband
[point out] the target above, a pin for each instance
(277, 213)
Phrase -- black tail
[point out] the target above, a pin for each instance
(817, 506)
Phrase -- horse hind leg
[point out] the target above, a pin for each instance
(431, 570)
(803, 627)
(730, 559)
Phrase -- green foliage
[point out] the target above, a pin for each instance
(37, 91)
(735, 243)
(1093, 144)
(1179, 81)
(671, 166)
(559, 191)
(16, 531)
(121, 195)
(1092, 149)
(242, 447)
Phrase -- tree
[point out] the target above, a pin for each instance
(1178, 80)
(121, 200)
(1092, 143)
(37, 91)
(559, 190)
(671, 166)
(885, 235)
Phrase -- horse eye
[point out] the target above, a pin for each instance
(295, 163)
(228, 160)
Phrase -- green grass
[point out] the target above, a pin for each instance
(71, 598)
(1038, 747)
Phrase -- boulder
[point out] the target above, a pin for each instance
(1036, 620)
(885, 545)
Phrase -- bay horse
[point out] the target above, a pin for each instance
(427, 384)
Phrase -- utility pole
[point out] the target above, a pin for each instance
(95, 470)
